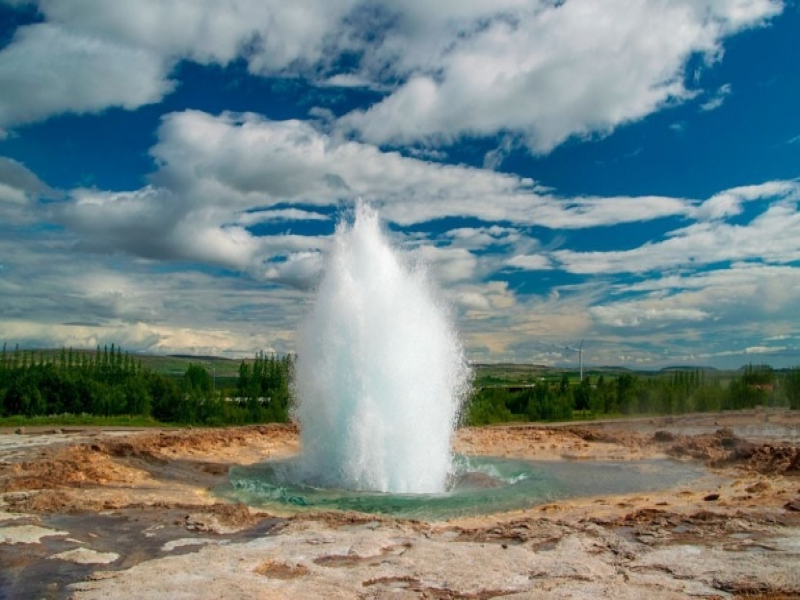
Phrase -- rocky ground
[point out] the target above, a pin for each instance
(104, 514)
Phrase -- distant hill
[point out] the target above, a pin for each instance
(685, 368)
(173, 365)
(196, 357)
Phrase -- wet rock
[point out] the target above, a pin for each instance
(711, 497)
(663, 436)
(793, 505)
(476, 480)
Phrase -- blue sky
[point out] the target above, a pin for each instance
(621, 172)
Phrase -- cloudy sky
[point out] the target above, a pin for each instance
(619, 171)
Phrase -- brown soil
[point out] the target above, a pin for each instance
(753, 501)
(142, 468)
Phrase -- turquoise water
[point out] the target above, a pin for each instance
(482, 485)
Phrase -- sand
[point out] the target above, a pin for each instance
(92, 513)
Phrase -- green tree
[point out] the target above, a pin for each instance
(583, 395)
(791, 386)
(625, 393)
(198, 379)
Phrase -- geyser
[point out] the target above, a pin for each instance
(380, 375)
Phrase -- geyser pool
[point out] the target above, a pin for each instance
(380, 375)
(478, 485)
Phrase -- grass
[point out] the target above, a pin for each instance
(70, 419)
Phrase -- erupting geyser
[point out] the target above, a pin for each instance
(380, 372)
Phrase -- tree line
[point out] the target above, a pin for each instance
(108, 383)
(628, 394)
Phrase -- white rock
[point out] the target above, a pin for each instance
(87, 556)
(26, 534)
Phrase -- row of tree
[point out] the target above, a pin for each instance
(109, 383)
(672, 393)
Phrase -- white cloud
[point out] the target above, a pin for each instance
(633, 314)
(154, 223)
(19, 190)
(729, 202)
(679, 127)
(92, 54)
(272, 35)
(278, 216)
(717, 99)
(533, 72)
(247, 160)
(447, 264)
(536, 71)
(771, 236)
(542, 70)
(476, 238)
(299, 270)
(580, 213)
(530, 262)
(217, 176)
(703, 317)
(48, 70)
(764, 349)
(53, 296)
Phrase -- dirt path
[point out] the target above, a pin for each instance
(98, 514)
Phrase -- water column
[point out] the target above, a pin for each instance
(380, 373)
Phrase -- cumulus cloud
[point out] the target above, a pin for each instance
(271, 35)
(542, 69)
(218, 176)
(48, 70)
(89, 54)
(530, 262)
(447, 264)
(247, 160)
(729, 203)
(20, 188)
(536, 71)
(680, 312)
(477, 238)
(771, 237)
(156, 223)
(526, 73)
(300, 270)
(53, 296)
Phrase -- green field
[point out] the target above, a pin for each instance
(67, 420)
